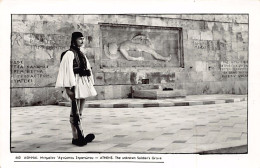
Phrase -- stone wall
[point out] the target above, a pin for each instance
(214, 49)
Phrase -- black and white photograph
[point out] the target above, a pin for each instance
(129, 83)
(108, 83)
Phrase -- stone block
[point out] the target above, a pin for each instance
(35, 96)
(23, 26)
(17, 99)
(213, 66)
(208, 17)
(223, 18)
(197, 17)
(212, 56)
(228, 87)
(239, 27)
(197, 25)
(158, 94)
(182, 76)
(202, 88)
(231, 56)
(53, 95)
(44, 53)
(240, 18)
(186, 17)
(234, 46)
(228, 46)
(202, 25)
(185, 35)
(100, 92)
(241, 87)
(206, 35)
(126, 19)
(216, 88)
(233, 37)
(19, 17)
(212, 76)
(193, 34)
(225, 26)
(108, 92)
(61, 40)
(117, 78)
(190, 88)
(217, 35)
(97, 55)
(62, 18)
(159, 77)
(20, 51)
(107, 63)
(66, 28)
(47, 27)
(172, 16)
(117, 92)
(186, 24)
(189, 76)
(145, 87)
(242, 55)
(200, 66)
(99, 78)
(108, 18)
(245, 36)
(209, 26)
(174, 23)
(217, 27)
(142, 20)
(95, 37)
(239, 37)
(125, 91)
(227, 36)
(92, 19)
(154, 77)
(242, 46)
(89, 52)
(56, 18)
(179, 85)
(159, 22)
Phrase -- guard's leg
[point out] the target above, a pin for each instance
(75, 120)
(90, 137)
(81, 105)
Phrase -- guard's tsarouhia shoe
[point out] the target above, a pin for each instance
(79, 142)
(89, 138)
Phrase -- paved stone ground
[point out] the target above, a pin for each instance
(179, 129)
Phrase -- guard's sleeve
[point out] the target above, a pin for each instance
(66, 76)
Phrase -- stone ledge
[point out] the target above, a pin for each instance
(133, 103)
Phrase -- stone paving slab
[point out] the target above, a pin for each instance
(179, 129)
(191, 100)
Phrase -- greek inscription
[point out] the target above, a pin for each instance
(200, 44)
(45, 41)
(234, 69)
(22, 73)
(210, 45)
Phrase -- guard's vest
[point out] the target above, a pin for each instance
(76, 61)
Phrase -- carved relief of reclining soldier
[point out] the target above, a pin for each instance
(140, 43)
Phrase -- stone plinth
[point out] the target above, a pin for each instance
(159, 94)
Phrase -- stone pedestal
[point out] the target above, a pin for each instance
(156, 92)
